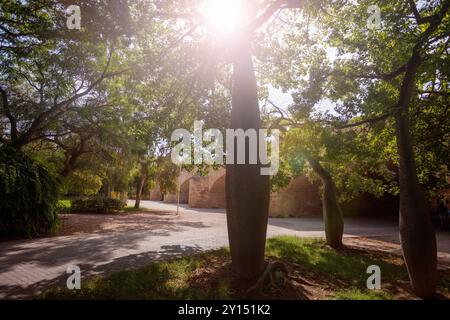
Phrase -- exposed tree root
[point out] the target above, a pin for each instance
(302, 281)
(271, 268)
(294, 284)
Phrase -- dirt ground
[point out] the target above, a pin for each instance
(72, 224)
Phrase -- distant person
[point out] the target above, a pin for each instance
(443, 213)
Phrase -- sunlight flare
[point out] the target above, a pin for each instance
(224, 17)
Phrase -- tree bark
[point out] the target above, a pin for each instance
(140, 187)
(141, 183)
(332, 213)
(416, 231)
(247, 191)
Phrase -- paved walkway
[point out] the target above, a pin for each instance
(28, 266)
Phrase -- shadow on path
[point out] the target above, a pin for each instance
(91, 269)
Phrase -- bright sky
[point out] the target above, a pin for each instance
(225, 17)
(278, 97)
(283, 100)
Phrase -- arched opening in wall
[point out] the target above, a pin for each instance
(217, 194)
(184, 192)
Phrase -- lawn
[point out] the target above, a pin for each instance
(312, 271)
(64, 205)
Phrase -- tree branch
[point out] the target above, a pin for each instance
(37, 123)
(266, 15)
(370, 120)
(420, 20)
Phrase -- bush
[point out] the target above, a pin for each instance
(97, 205)
(28, 195)
(63, 206)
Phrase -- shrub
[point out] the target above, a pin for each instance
(28, 195)
(63, 206)
(97, 205)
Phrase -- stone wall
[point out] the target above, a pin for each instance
(217, 194)
(300, 198)
(156, 194)
(184, 182)
(208, 191)
(198, 192)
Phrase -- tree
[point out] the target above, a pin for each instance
(372, 84)
(247, 191)
(40, 85)
(315, 143)
(416, 232)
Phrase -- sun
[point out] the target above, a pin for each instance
(224, 16)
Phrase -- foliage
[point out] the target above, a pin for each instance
(64, 206)
(97, 205)
(28, 195)
(337, 71)
(83, 183)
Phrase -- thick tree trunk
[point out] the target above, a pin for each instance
(416, 231)
(332, 213)
(139, 188)
(69, 163)
(247, 191)
(141, 182)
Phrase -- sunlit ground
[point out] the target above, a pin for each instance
(314, 271)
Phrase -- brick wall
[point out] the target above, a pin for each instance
(156, 194)
(299, 198)
(199, 192)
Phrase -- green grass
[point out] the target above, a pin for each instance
(64, 206)
(65, 203)
(357, 294)
(315, 256)
(344, 271)
(162, 280)
(132, 209)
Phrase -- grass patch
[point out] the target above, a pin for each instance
(65, 203)
(161, 280)
(132, 209)
(346, 265)
(64, 206)
(357, 294)
(332, 275)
